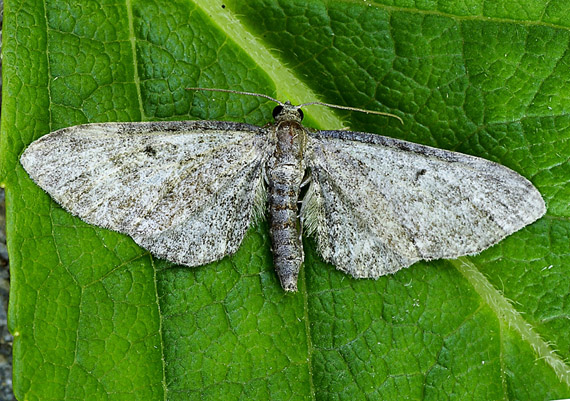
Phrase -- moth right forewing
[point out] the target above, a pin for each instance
(143, 179)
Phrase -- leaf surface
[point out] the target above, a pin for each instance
(96, 317)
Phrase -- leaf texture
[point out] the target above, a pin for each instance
(96, 317)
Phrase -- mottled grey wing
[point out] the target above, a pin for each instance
(184, 190)
(378, 204)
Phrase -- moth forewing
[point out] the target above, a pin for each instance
(389, 203)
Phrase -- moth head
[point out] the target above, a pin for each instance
(287, 112)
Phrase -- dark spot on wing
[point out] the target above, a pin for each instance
(419, 173)
(150, 151)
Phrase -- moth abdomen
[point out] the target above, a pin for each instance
(285, 234)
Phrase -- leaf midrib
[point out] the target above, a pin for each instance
(288, 86)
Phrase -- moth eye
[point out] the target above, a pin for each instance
(301, 114)
(277, 110)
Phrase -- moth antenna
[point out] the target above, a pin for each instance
(336, 106)
(237, 92)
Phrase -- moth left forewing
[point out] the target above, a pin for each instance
(184, 190)
(378, 204)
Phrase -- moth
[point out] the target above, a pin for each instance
(189, 190)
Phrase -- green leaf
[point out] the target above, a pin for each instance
(96, 317)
